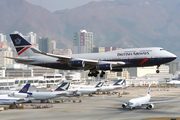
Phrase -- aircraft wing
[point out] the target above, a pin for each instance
(21, 100)
(163, 101)
(61, 94)
(63, 58)
(60, 57)
(21, 59)
(123, 101)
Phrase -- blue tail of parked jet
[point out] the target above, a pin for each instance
(25, 88)
(63, 87)
(100, 84)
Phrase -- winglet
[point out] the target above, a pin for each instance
(25, 88)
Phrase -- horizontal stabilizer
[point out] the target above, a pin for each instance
(21, 59)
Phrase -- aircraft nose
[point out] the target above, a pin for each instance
(174, 56)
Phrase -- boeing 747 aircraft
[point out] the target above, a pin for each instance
(94, 62)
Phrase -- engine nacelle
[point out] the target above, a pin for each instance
(76, 63)
(124, 105)
(104, 67)
(117, 69)
(19, 95)
(150, 106)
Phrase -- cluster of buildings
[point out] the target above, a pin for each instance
(82, 43)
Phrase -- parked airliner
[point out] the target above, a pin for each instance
(85, 90)
(140, 101)
(60, 91)
(120, 84)
(23, 93)
(95, 62)
(8, 97)
(6, 100)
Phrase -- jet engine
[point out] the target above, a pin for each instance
(19, 95)
(104, 67)
(76, 63)
(150, 106)
(124, 105)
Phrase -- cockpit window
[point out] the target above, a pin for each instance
(161, 49)
(130, 103)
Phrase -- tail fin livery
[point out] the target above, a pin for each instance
(22, 46)
(63, 87)
(25, 88)
(100, 84)
(149, 89)
(120, 82)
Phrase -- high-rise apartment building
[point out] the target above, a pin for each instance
(2, 38)
(31, 37)
(5, 51)
(82, 42)
(45, 45)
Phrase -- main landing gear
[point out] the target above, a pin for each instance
(95, 73)
(157, 71)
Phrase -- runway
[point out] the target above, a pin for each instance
(96, 108)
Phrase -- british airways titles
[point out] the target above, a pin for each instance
(132, 53)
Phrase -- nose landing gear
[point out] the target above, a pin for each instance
(157, 71)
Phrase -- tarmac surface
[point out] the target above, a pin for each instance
(96, 108)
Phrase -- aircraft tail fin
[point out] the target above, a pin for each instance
(23, 47)
(63, 87)
(149, 89)
(25, 88)
(120, 82)
(100, 84)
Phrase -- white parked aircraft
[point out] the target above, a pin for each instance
(117, 85)
(85, 90)
(140, 101)
(60, 91)
(95, 62)
(20, 94)
(6, 100)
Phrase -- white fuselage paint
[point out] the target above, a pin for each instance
(6, 100)
(46, 95)
(136, 102)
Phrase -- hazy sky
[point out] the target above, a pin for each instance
(53, 5)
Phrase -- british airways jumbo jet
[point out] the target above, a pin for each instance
(94, 62)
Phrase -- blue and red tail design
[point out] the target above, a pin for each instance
(23, 47)
(25, 88)
(20, 43)
(63, 87)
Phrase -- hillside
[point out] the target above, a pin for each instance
(19, 15)
(127, 23)
(119, 23)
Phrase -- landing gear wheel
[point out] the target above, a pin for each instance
(157, 71)
(101, 75)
